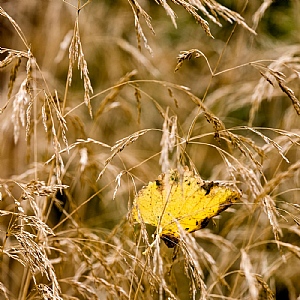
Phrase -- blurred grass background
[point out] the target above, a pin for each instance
(87, 250)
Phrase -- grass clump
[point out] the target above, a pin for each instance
(99, 98)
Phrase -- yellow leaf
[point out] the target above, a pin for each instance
(185, 201)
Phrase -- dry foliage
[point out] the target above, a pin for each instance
(74, 158)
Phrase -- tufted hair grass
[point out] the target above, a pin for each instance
(98, 98)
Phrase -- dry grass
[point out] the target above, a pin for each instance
(91, 110)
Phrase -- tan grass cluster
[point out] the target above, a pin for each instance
(88, 117)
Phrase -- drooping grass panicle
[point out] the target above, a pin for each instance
(215, 9)
(168, 141)
(112, 95)
(16, 27)
(120, 145)
(21, 100)
(137, 11)
(194, 270)
(258, 15)
(187, 55)
(272, 74)
(76, 53)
